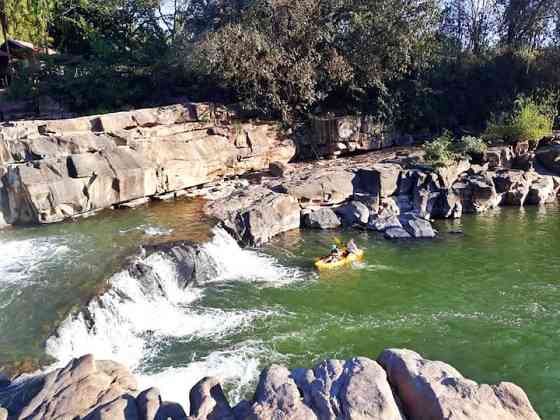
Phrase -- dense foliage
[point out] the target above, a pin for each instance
(528, 121)
(420, 65)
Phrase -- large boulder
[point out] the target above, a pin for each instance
(477, 192)
(353, 213)
(432, 390)
(278, 397)
(543, 190)
(255, 216)
(354, 389)
(499, 157)
(193, 264)
(85, 388)
(449, 174)
(324, 218)
(514, 185)
(416, 226)
(382, 179)
(325, 187)
(549, 157)
(208, 402)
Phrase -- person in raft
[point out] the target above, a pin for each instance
(351, 247)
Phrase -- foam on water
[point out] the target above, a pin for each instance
(149, 230)
(236, 263)
(116, 325)
(20, 258)
(237, 368)
(128, 321)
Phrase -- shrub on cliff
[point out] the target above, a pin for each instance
(529, 121)
(441, 151)
(471, 146)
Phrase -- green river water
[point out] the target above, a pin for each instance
(486, 301)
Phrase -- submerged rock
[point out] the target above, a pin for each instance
(193, 263)
(417, 227)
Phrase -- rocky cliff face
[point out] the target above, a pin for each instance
(53, 170)
(400, 385)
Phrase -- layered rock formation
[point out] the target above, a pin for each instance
(52, 170)
(340, 135)
(400, 385)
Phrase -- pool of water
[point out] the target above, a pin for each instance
(486, 301)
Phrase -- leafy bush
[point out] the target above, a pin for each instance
(441, 151)
(470, 145)
(529, 121)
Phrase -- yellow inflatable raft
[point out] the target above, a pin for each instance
(323, 264)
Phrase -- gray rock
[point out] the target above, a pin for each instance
(384, 179)
(106, 390)
(353, 389)
(208, 402)
(353, 213)
(4, 380)
(549, 157)
(416, 226)
(278, 397)
(436, 391)
(256, 215)
(365, 392)
(324, 187)
(193, 264)
(499, 157)
(543, 190)
(324, 218)
(514, 185)
(397, 233)
(387, 216)
(278, 169)
(477, 192)
(449, 174)
(149, 403)
(122, 408)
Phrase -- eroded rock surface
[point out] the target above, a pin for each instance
(54, 170)
(401, 385)
(434, 390)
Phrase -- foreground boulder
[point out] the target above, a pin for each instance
(436, 391)
(401, 385)
(84, 388)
